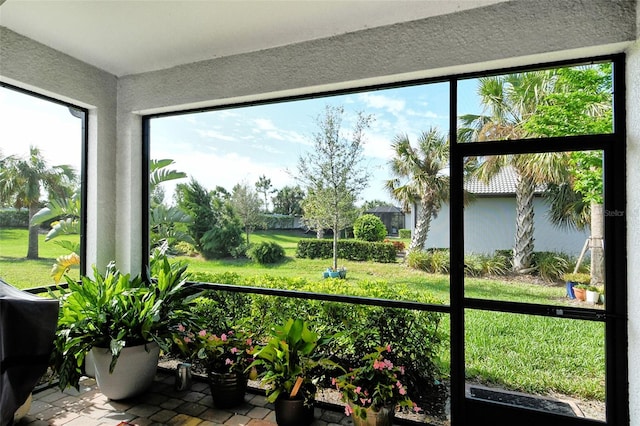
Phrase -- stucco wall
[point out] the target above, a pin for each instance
(490, 224)
(633, 225)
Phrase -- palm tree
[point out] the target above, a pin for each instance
(509, 101)
(419, 178)
(22, 182)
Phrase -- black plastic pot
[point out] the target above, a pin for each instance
(227, 389)
(293, 412)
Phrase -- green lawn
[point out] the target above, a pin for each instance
(24, 273)
(527, 353)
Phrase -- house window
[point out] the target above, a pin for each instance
(500, 222)
(42, 148)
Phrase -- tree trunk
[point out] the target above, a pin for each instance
(523, 247)
(596, 244)
(421, 231)
(32, 250)
(335, 249)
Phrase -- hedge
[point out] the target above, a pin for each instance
(347, 249)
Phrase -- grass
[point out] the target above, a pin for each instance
(21, 272)
(520, 352)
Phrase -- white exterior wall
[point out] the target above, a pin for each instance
(633, 221)
(490, 223)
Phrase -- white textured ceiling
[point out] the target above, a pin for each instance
(130, 37)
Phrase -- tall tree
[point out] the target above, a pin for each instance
(580, 104)
(509, 101)
(22, 182)
(288, 200)
(246, 204)
(333, 173)
(264, 187)
(419, 178)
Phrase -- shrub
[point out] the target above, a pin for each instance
(266, 252)
(12, 218)
(550, 265)
(432, 261)
(404, 233)
(399, 245)
(347, 249)
(182, 248)
(369, 227)
(222, 241)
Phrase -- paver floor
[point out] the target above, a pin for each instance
(160, 405)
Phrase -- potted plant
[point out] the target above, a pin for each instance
(225, 357)
(373, 390)
(577, 281)
(117, 316)
(592, 294)
(335, 273)
(288, 366)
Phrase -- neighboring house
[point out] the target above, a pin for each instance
(392, 217)
(490, 221)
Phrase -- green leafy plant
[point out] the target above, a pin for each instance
(288, 364)
(369, 227)
(375, 383)
(115, 310)
(578, 278)
(266, 252)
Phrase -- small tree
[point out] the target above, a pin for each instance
(246, 204)
(264, 187)
(333, 173)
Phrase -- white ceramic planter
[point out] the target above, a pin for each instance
(133, 374)
(593, 297)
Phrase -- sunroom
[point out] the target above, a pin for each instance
(129, 68)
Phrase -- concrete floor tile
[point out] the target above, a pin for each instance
(237, 420)
(184, 420)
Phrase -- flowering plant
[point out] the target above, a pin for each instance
(374, 384)
(229, 352)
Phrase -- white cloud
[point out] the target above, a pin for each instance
(214, 134)
(372, 100)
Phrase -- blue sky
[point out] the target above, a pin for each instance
(27, 120)
(238, 145)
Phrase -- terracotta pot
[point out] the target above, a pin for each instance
(227, 389)
(382, 417)
(580, 293)
(134, 372)
(293, 412)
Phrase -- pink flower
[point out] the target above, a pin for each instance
(181, 327)
(223, 337)
(249, 341)
(388, 348)
(347, 410)
(234, 350)
(202, 333)
(416, 408)
(358, 389)
(187, 340)
(228, 361)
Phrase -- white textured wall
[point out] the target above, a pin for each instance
(633, 223)
(30, 65)
(490, 224)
